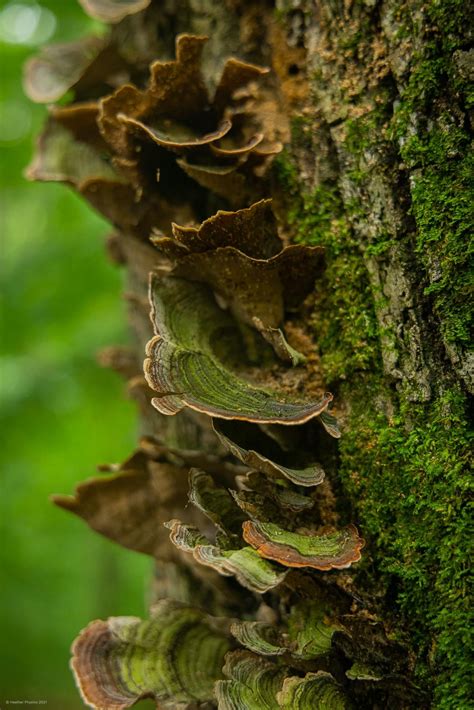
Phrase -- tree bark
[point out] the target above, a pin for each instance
(380, 163)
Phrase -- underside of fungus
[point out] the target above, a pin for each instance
(229, 490)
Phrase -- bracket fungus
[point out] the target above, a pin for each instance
(130, 505)
(214, 136)
(113, 10)
(258, 637)
(322, 551)
(250, 570)
(60, 67)
(253, 683)
(258, 684)
(307, 633)
(176, 656)
(237, 438)
(262, 499)
(316, 690)
(252, 230)
(131, 179)
(311, 628)
(61, 157)
(241, 257)
(215, 502)
(185, 370)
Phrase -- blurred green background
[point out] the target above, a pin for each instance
(61, 414)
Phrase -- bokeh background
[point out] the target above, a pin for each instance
(61, 414)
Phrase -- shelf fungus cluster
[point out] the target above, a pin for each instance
(227, 489)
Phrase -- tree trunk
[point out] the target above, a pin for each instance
(381, 157)
(375, 169)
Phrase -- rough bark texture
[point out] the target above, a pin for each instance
(379, 165)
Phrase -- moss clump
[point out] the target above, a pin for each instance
(404, 472)
(409, 477)
(441, 192)
(438, 154)
(442, 207)
(348, 339)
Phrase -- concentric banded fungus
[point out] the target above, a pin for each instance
(291, 500)
(177, 655)
(318, 691)
(215, 502)
(334, 550)
(254, 683)
(310, 632)
(245, 565)
(184, 369)
(240, 255)
(258, 637)
(238, 437)
(331, 425)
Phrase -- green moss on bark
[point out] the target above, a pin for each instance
(343, 319)
(435, 145)
(408, 476)
(405, 472)
(442, 206)
(400, 199)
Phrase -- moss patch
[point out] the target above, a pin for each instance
(442, 197)
(404, 473)
(409, 479)
(435, 146)
(343, 318)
